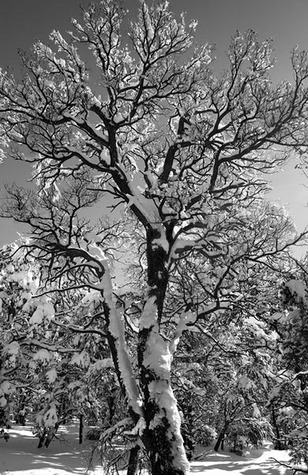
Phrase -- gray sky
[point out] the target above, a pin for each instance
(22, 22)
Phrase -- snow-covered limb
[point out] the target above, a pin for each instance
(149, 314)
(138, 429)
(294, 467)
(116, 328)
(51, 347)
(78, 329)
(185, 319)
(119, 425)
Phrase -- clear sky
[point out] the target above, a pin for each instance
(22, 22)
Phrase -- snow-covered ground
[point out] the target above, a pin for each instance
(256, 462)
(20, 456)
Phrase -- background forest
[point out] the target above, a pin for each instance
(156, 296)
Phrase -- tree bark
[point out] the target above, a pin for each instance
(151, 403)
(221, 436)
(133, 460)
(219, 441)
(81, 428)
(161, 436)
(278, 444)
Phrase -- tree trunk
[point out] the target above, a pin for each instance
(161, 436)
(219, 441)
(278, 444)
(221, 436)
(152, 402)
(81, 428)
(51, 433)
(133, 460)
(41, 441)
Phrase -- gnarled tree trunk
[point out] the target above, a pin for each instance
(161, 436)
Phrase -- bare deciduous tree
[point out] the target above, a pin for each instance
(178, 148)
